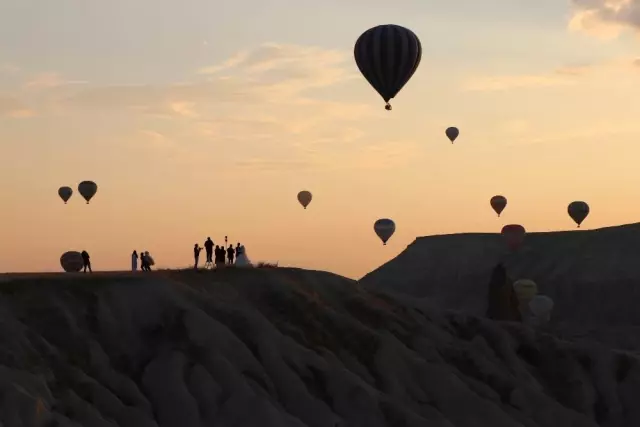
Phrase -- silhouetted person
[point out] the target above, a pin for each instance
(230, 254)
(134, 261)
(144, 262)
(147, 260)
(502, 303)
(86, 261)
(196, 255)
(208, 246)
(219, 255)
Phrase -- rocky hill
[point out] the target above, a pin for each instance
(285, 347)
(593, 276)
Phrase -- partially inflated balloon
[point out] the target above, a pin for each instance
(452, 133)
(498, 203)
(387, 56)
(541, 307)
(304, 197)
(71, 261)
(87, 189)
(578, 211)
(514, 235)
(384, 228)
(65, 193)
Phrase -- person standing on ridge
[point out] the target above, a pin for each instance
(86, 261)
(208, 246)
(134, 261)
(196, 255)
(230, 254)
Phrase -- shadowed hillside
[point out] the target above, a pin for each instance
(284, 347)
(593, 276)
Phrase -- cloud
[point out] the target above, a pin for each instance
(9, 68)
(49, 80)
(561, 76)
(605, 18)
(11, 107)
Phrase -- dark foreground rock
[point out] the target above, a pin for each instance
(283, 347)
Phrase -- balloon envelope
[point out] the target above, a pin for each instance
(387, 56)
(514, 235)
(384, 228)
(525, 289)
(452, 133)
(87, 190)
(578, 211)
(304, 197)
(541, 305)
(71, 261)
(65, 193)
(498, 203)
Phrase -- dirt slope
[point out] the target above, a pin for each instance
(284, 347)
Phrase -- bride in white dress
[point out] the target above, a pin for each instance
(241, 257)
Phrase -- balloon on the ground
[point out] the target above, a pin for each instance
(578, 211)
(452, 133)
(384, 228)
(71, 261)
(498, 203)
(65, 193)
(541, 307)
(514, 235)
(525, 290)
(387, 56)
(87, 190)
(304, 197)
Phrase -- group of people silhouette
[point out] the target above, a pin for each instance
(218, 255)
(146, 261)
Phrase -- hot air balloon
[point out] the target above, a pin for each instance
(578, 211)
(541, 307)
(525, 289)
(452, 133)
(87, 189)
(304, 197)
(514, 235)
(384, 228)
(387, 56)
(498, 203)
(65, 193)
(71, 261)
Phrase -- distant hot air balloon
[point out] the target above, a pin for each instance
(514, 235)
(387, 56)
(87, 189)
(452, 133)
(384, 228)
(498, 203)
(71, 261)
(578, 211)
(525, 289)
(304, 197)
(65, 193)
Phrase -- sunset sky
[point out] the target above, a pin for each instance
(205, 118)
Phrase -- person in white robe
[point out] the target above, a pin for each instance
(241, 257)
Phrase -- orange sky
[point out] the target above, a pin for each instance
(189, 137)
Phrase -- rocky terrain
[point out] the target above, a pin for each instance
(279, 347)
(593, 277)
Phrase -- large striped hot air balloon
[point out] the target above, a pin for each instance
(387, 56)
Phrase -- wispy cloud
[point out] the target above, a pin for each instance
(9, 68)
(49, 80)
(605, 18)
(561, 76)
(11, 107)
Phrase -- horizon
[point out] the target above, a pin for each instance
(199, 120)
